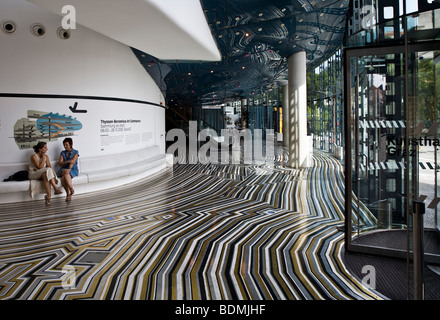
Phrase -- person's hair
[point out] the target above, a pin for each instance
(69, 141)
(39, 145)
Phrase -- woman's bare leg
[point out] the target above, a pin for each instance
(66, 181)
(47, 187)
(54, 185)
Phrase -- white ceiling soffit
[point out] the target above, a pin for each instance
(165, 29)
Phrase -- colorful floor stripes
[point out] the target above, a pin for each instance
(200, 232)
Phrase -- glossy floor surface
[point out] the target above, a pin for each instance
(196, 232)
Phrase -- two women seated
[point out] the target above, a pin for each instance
(40, 169)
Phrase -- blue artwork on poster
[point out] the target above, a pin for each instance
(55, 125)
(47, 126)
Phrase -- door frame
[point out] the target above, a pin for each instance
(349, 53)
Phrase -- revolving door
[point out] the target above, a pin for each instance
(392, 148)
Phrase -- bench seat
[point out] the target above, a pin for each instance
(96, 173)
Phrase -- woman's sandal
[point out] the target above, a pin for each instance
(72, 191)
(47, 200)
(69, 197)
(58, 191)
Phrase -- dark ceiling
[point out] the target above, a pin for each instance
(255, 38)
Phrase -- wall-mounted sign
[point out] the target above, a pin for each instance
(43, 126)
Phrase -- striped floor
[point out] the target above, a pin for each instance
(198, 232)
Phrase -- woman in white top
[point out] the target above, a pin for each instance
(40, 169)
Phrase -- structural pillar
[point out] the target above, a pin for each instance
(297, 87)
(285, 113)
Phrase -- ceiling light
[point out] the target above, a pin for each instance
(63, 34)
(260, 29)
(8, 27)
(247, 34)
(260, 14)
(38, 30)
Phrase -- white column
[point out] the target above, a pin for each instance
(298, 142)
(286, 107)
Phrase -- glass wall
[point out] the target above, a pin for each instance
(263, 111)
(325, 104)
(392, 142)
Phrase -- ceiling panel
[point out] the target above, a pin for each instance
(255, 38)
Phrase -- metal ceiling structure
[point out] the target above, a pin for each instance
(255, 38)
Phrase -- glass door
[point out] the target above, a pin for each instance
(393, 152)
(436, 67)
(378, 155)
(424, 106)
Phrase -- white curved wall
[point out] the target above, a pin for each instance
(103, 76)
(166, 29)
